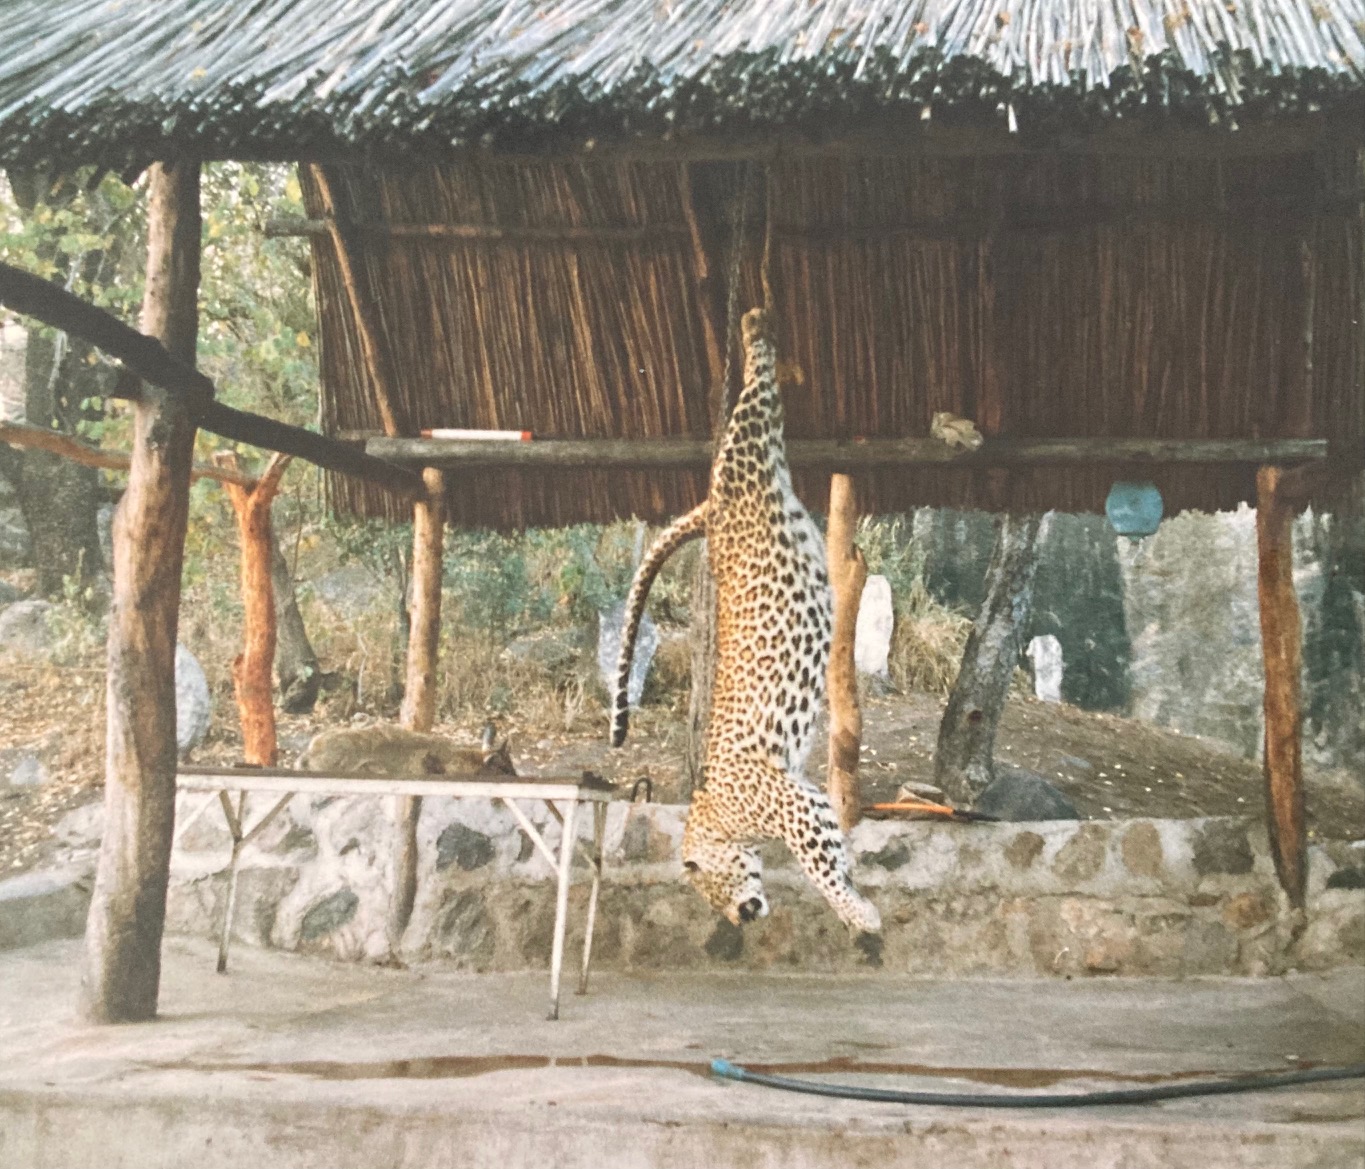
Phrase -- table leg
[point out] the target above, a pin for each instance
(566, 846)
(599, 826)
(235, 827)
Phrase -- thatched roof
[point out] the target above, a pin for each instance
(123, 83)
(1045, 295)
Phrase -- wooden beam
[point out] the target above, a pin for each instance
(847, 575)
(122, 964)
(1281, 647)
(68, 447)
(848, 456)
(419, 689)
(345, 243)
(189, 389)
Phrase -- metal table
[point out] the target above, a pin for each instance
(561, 795)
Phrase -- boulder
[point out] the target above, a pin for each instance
(9, 594)
(609, 630)
(876, 622)
(553, 650)
(1045, 653)
(42, 905)
(25, 628)
(193, 703)
(15, 546)
(1017, 794)
(28, 771)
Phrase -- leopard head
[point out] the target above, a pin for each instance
(726, 872)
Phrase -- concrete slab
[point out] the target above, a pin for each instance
(292, 1061)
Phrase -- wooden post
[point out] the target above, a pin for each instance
(848, 575)
(1281, 645)
(419, 690)
(122, 964)
(252, 668)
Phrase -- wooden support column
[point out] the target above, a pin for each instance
(419, 688)
(252, 668)
(122, 964)
(1281, 646)
(847, 575)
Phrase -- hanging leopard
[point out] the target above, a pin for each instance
(773, 622)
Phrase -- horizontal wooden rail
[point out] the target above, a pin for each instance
(144, 356)
(868, 454)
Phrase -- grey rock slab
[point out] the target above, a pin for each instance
(8, 593)
(876, 623)
(28, 771)
(42, 905)
(1016, 794)
(193, 702)
(25, 627)
(609, 631)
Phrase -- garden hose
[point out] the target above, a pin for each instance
(1249, 1083)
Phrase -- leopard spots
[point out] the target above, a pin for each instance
(773, 624)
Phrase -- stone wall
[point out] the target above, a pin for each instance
(1044, 899)
(1167, 629)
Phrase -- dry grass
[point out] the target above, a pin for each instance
(926, 648)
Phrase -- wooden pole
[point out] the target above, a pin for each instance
(848, 575)
(419, 689)
(252, 668)
(1281, 645)
(122, 962)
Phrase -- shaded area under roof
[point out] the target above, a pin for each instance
(1076, 296)
(124, 83)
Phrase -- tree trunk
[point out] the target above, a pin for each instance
(1281, 645)
(419, 690)
(59, 499)
(122, 965)
(252, 668)
(848, 575)
(964, 757)
(296, 663)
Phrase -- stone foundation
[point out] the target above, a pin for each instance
(1132, 897)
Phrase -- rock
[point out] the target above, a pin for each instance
(1081, 857)
(38, 906)
(459, 845)
(25, 627)
(29, 771)
(1024, 849)
(9, 594)
(329, 914)
(610, 626)
(1016, 794)
(876, 622)
(82, 827)
(1142, 852)
(350, 588)
(193, 703)
(1045, 653)
(15, 546)
(914, 790)
(104, 529)
(1222, 847)
(551, 649)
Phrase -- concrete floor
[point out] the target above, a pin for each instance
(291, 1061)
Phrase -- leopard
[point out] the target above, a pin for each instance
(773, 625)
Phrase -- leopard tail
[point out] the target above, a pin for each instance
(688, 527)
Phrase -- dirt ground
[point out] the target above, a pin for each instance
(1110, 767)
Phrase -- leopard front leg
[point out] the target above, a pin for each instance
(801, 815)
